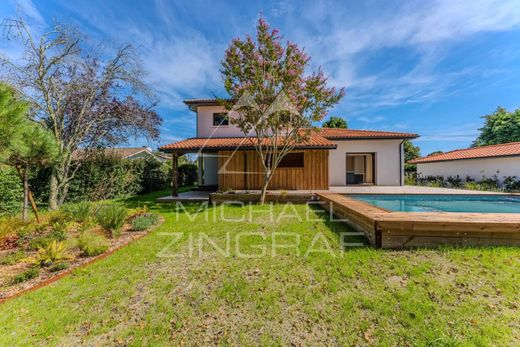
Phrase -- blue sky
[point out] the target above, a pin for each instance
(431, 67)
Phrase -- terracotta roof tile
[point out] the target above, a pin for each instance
(502, 150)
(315, 141)
(339, 133)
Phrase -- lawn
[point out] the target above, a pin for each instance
(164, 290)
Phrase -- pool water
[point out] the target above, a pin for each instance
(444, 203)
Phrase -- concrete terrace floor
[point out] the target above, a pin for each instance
(198, 196)
(406, 190)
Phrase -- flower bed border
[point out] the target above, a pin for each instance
(68, 271)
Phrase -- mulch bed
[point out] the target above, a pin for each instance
(46, 277)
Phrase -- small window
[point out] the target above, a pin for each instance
(220, 119)
(292, 160)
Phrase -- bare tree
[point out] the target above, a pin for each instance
(84, 99)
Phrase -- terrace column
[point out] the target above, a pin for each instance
(175, 174)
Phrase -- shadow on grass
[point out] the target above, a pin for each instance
(341, 229)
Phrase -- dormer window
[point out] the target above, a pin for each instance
(220, 119)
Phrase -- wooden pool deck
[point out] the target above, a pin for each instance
(387, 229)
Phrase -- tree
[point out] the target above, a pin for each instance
(85, 100)
(24, 143)
(275, 100)
(35, 147)
(435, 153)
(500, 126)
(410, 152)
(335, 122)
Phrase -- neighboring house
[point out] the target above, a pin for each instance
(478, 162)
(330, 157)
(130, 153)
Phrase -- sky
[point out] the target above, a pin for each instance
(427, 67)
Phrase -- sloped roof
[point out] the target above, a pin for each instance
(501, 150)
(123, 152)
(314, 141)
(340, 133)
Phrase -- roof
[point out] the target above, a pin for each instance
(340, 133)
(193, 103)
(123, 153)
(315, 141)
(492, 151)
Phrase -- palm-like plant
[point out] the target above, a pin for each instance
(53, 252)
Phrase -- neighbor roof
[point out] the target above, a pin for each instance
(314, 141)
(115, 152)
(340, 133)
(501, 150)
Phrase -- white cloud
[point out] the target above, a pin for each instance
(27, 9)
(340, 40)
(368, 119)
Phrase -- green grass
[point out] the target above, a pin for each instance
(361, 296)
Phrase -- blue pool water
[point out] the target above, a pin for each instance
(444, 203)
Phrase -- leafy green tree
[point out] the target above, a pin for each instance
(435, 153)
(35, 147)
(335, 122)
(410, 152)
(13, 113)
(276, 100)
(500, 126)
(25, 143)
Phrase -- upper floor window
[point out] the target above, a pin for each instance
(220, 119)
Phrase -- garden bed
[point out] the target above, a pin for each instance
(35, 254)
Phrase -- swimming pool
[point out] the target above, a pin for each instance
(444, 203)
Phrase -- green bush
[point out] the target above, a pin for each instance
(28, 274)
(35, 243)
(144, 222)
(59, 266)
(187, 174)
(81, 211)
(91, 244)
(52, 253)
(11, 191)
(111, 217)
(12, 258)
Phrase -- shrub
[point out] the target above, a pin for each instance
(144, 222)
(28, 274)
(12, 258)
(187, 174)
(11, 191)
(91, 244)
(138, 211)
(111, 217)
(511, 184)
(53, 252)
(35, 243)
(59, 266)
(10, 226)
(81, 211)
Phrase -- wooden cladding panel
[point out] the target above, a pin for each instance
(244, 170)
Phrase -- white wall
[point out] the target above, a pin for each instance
(389, 169)
(205, 126)
(475, 168)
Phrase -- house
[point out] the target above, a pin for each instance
(330, 157)
(478, 162)
(129, 153)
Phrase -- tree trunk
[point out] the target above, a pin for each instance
(267, 179)
(30, 196)
(25, 215)
(53, 191)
